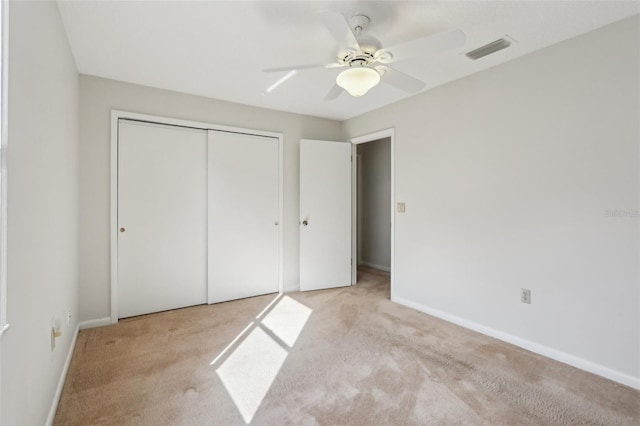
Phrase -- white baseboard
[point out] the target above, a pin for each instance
(98, 322)
(557, 355)
(61, 380)
(291, 289)
(63, 375)
(374, 266)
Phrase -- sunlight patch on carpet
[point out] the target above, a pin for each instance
(233, 342)
(287, 320)
(265, 310)
(250, 370)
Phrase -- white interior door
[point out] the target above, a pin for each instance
(325, 214)
(244, 255)
(162, 217)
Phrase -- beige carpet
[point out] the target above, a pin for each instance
(343, 356)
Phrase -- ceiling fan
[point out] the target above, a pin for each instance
(367, 62)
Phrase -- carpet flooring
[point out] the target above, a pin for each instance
(340, 356)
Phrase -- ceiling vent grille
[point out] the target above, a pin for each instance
(488, 49)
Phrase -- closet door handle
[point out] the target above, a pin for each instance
(305, 222)
(122, 229)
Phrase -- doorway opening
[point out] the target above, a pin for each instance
(373, 207)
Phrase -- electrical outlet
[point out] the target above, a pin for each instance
(401, 207)
(525, 295)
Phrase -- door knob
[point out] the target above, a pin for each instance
(305, 222)
(122, 229)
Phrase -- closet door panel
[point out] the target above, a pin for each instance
(162, 217)
(243, 254)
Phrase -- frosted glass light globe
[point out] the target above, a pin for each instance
(358, 80)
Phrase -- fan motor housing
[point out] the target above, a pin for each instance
(357, 60)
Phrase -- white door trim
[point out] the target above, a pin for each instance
(386, 133)
(116, 115)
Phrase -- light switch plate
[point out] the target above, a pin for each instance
(401, 207)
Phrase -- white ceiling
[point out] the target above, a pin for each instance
(217, 48)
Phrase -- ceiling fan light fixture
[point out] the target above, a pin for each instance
(358, 80)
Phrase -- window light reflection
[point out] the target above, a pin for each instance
(254, 357)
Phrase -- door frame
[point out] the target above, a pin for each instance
(370, 137)
(116, 115)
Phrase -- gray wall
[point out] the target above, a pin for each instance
(98, 96)
(512, 178)
(374, 204)
(42, 210)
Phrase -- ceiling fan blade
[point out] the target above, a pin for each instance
(340, 29)
(401, 80)
(423, 45)
(302, 67)
(334, 93)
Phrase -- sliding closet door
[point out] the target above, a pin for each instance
(243, 216)
(162, 217)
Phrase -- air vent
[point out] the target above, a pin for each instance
(488, 49)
